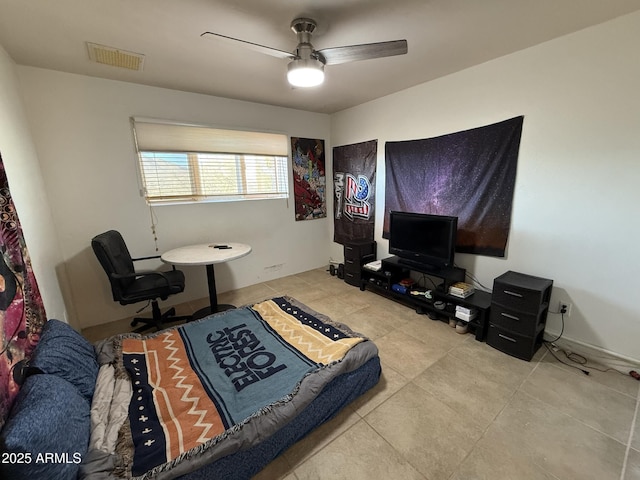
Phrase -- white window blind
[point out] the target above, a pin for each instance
(190, 163)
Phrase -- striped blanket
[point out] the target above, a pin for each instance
(197, 384)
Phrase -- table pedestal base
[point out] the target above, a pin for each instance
(207, 254)
(206, 311)
(214, 306)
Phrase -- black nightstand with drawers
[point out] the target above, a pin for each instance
(355, 255)
(519, 307)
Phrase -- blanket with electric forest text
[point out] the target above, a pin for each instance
(208, 389)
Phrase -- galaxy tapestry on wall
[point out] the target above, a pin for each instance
(469, 174)
(309, 182)
(354, 177)
(22, 313)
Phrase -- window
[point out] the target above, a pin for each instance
(189, 163)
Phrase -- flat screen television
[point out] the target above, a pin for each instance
(423, 239)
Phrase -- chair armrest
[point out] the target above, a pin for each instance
(122, 276)
(173, 267)
(140, 273)
(145, 258)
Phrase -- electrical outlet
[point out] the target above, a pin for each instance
(566, 306)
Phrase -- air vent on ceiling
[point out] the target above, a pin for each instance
(115, 57)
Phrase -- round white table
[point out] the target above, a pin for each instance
(207, 254)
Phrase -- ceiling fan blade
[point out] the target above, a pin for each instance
(274, 52)
(353, 53)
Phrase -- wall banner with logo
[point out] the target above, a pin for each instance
(354, 176)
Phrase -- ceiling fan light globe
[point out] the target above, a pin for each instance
(305, 73)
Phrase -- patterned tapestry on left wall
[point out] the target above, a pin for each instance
(309, 182)
(22, 313)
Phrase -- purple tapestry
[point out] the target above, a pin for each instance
(470, 175)
(22, 313)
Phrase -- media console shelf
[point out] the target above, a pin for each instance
(394, 269)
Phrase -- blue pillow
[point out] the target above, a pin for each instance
(64, 352)
(47, 432)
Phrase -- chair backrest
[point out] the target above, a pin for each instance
(114, 257)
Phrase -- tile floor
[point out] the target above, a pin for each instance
(449, 407)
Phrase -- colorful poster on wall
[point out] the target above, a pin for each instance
(469, 174)
(354, 179)
(309, 182)
(22, 313)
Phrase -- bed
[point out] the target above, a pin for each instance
(217, 398)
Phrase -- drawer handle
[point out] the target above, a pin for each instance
(512, 317)
(348, 261)
(513, 294)
(507, 338)
(348, 248)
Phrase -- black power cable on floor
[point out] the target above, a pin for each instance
(575, 357)
(547, 344)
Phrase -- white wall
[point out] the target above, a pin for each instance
(577, 197)
(81, 127)
(28, 192)
(575, 207)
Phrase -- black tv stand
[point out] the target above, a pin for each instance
(395, 269)
(448, 274)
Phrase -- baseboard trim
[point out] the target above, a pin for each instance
(601, 355)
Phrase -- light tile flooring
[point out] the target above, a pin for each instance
(449, 407)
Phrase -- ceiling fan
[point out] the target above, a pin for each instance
(306, 68)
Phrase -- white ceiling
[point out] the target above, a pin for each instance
(444, 36)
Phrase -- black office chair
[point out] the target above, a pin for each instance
(130, 286)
